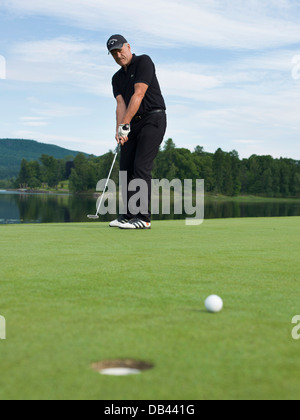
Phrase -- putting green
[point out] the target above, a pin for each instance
(75, 294)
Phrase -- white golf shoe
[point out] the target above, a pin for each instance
(119, 222)
(136, 224)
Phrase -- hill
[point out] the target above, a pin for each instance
(12, 151)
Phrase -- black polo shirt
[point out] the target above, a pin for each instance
(140, 70)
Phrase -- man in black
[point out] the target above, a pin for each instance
(141, 123)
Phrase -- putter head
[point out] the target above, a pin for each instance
(93, 217)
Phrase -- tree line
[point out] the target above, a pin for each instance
(224, 172)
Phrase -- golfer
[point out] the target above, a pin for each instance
(141, 125)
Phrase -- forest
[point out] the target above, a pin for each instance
(224, 172)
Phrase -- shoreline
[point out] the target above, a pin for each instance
(29, 191)
(208, 196)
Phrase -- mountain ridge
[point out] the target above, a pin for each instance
(12, 151)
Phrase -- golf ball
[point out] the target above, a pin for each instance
(214, 304)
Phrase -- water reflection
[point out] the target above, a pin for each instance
(229, 209)
(51, 208)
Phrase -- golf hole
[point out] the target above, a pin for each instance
(123, 367)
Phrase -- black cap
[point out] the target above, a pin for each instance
(116, 42)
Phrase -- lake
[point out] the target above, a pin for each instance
(16, 207)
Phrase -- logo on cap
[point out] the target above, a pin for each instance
(115, 42)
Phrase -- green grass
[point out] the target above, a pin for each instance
(80, 293)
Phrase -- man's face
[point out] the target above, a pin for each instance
(123, 56)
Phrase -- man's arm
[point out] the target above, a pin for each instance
(121, 111)
(140, 90)
(125, 115)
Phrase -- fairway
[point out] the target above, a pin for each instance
(76, 294)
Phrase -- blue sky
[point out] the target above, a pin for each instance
(229, 71)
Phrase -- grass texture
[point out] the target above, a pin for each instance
(76, 294)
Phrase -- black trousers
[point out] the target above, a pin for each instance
(137, 158)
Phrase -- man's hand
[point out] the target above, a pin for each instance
(123, 133)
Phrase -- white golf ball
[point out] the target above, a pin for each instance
(214, 304)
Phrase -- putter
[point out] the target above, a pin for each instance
(96, 216)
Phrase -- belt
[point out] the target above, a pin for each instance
(139, 117)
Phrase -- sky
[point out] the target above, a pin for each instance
(229, 71)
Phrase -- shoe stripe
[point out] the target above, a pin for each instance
(135, 224)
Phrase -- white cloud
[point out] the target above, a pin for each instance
(176, 80)
(220, 98)
(215, 23)
(33, 122)
(57, 110)
(65, 60)
(54, 50)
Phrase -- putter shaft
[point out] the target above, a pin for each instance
(107, 181)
